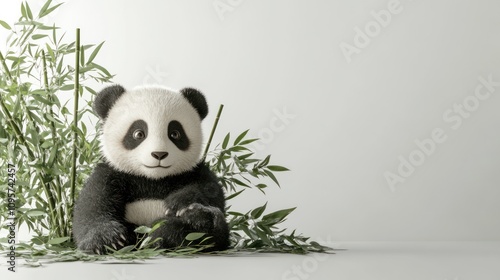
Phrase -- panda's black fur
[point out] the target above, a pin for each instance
(193, 199)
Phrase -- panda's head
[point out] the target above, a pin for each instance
(151, 131)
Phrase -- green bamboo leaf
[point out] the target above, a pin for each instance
(54, 35)
(42, 99)
(28, 23)
(28, 11)
(292, 241)
(264, 162)
(17, 106)
(277, 168)
(237, 214)
(279, 215)
(13, 42)
(35, 213)
(157, 225)
(46, 144)
(271, 175)
(125, 249)
(102, 69)
(39, 36)
(194, 236)
(52, 156)
(261, 186)
(44, 8)
(257, 212)
(238, 149)
(245, 156)
(142, 229)
(263, 236)
(238, 182)
(95, 52)
(65, 111)
(248, 141)
(51, 52)
(59, 69)
(50, 10)
(145, 242)
(234, 194)
(5, 25)
(57, 240)
(39, 240)
(90, 90)
(46, 27)
(67, 87)
(23, 10)
(82, 56)
(226, 141)
(265, 228)
(240, 137)
(248, 232)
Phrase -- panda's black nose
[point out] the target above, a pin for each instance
(159, 155)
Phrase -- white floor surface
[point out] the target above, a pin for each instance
(360, 260)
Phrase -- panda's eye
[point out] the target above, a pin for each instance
(175, 135)
(138, 134)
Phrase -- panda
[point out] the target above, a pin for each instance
(151, 140)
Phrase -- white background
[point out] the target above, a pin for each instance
(352, 120)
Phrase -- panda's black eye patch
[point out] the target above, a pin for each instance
(177, 135)
(137, 132)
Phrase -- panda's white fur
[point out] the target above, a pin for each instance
(157, 106)
(145, 212)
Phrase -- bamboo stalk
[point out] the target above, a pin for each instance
(216, 122)
(75, 115)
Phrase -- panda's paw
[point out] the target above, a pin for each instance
(201, 216)
(111, 234)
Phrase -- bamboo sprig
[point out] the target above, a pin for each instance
(17, 131)
(75, 116)
(216, 122)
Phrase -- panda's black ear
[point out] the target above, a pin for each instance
(106, 98)
(197, 100)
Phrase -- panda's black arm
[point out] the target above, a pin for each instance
(199, 186)
(207, 193)
(99, 212)
(101, 198)
(197, 207)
